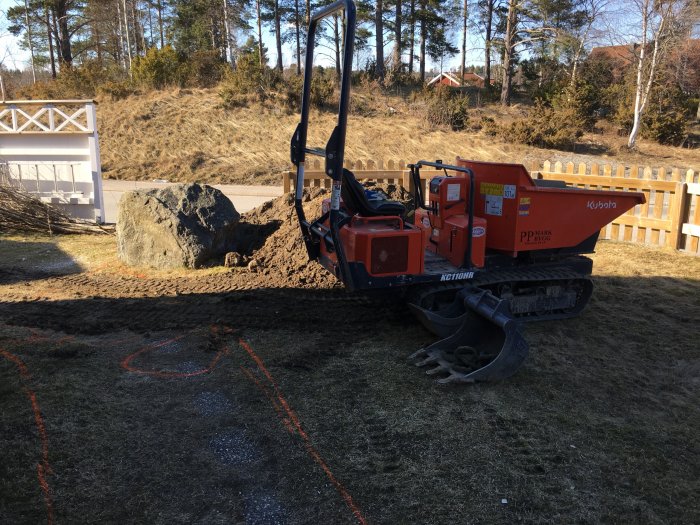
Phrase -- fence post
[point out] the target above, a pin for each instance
(408, 181)
(677, 215)
(287, 182)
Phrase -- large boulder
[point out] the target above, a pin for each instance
(174, 227)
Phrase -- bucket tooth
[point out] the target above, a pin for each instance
(418, 354)
(428, 360)
(487, 345)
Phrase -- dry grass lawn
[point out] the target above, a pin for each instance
(599, 426)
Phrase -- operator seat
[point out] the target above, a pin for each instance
(355, 199)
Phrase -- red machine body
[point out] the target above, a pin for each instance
(523, 216)
(386, 246)
(512, 214)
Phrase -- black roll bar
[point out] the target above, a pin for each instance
(334, 152)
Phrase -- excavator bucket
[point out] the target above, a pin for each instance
(481, 341)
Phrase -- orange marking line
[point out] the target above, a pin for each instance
(311, 450)
(23, 370)
(269, 395)
(42, 468)
(126, 362)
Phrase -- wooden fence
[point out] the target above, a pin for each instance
(670, 216)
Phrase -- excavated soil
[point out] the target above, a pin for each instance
(271, 395)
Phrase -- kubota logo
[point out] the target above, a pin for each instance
(601, 205)
(457, 276)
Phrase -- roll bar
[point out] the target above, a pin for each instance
(334, 152)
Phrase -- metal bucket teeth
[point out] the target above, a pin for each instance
(486, 346)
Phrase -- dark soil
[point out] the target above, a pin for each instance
(274, 396)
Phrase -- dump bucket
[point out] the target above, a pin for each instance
(485, 343)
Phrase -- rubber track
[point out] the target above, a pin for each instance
(514, 276)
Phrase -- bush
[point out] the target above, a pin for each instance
(203, 69)
(70, 83)
(323, 85)
(666, 127)
(580, 101)
(447, 107)
(158, 69)
(250, 82)
(489, 126)
(545, 127)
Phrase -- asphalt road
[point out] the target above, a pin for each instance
(244, 198)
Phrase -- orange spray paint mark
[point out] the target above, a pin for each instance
(126, 362)
(42, 468)
(293, 418)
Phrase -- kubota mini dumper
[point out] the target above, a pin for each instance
(487, 249)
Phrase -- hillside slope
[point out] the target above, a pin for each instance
(185, 135)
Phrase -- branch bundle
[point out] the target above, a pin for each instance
(22, 212)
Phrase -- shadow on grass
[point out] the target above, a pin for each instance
(616, 379)
(32, 260)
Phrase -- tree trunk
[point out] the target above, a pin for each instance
(423, 36)
(160, 23)
(465, 12)
(574, 69)
(29, 38)
(412, 35)
(379, 39)
(278, 35)
(229, 38)
(49, 37)
(260, 42)
(336, 45)
(397, 37)
(643, 88)
(150, 24)
(308, 12)
(297, 31)
(66, 55)
(508, 45)
(487, 48)
(126, 31)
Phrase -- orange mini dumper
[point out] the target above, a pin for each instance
(488, 249)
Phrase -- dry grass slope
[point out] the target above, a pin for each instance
(185, 135)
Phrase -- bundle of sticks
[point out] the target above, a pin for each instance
(20, 211)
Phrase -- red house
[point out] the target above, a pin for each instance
(452, 80)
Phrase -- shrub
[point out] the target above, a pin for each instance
(70, 83)
(202, 69)
(580, 101)
(666, 127)
(323, 85)
(158, 69)
(447, 107)
(545, 127)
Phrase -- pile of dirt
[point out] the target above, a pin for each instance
(270, 236)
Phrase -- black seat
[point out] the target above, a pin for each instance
(355, 200)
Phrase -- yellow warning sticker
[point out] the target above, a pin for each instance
(524, 200)
(491, 188)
